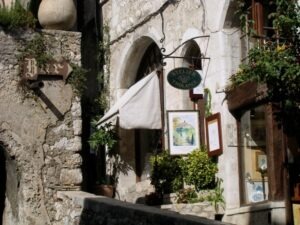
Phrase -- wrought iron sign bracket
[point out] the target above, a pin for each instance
(165, 56)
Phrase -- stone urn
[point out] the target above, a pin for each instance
(57, 14)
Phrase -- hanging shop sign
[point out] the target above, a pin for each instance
(184, 78)
(31, 71)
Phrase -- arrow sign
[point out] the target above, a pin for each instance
(53, 68)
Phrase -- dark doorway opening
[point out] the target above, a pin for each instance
(2, 182)
(146, 140)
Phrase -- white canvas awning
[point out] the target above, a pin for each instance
(139, 107)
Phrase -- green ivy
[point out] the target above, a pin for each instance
(36, 48)
(77, 79)
(16, 17)
(103, 76)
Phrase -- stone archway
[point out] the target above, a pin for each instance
(142, 58)
(2, 182)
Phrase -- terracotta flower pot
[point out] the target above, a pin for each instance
(57, 14)
(104, 190)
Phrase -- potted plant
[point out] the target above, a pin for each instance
(166, 174)
(272, 66)
(105, 138)
(217, 200)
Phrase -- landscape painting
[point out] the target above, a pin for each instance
(183, 129)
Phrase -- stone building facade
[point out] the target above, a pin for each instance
(40, 132)
(208, 27)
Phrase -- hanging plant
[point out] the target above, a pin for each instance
(276, 63)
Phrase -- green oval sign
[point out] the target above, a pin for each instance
(184, 78)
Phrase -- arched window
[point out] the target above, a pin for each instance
(193, 56)
(150, 61)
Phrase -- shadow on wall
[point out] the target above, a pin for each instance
(2, 182)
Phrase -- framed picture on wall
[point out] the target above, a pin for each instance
(214, 135)
(183, 131)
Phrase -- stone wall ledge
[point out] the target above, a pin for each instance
(103, 208)
(256, 208)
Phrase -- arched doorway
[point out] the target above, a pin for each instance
(2, 182)
(147, 142)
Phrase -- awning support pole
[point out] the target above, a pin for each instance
(162, 104)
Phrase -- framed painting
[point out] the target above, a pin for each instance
(183, 131)
(296, 213)
(214, 135)
(261, 161)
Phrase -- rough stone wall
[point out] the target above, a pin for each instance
(40, 134)
(86, 209)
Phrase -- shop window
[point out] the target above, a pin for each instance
(258, 13)
(254, 155)
(150, 61)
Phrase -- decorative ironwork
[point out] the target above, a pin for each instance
(165, 56)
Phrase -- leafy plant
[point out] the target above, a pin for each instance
(243, 13)
(216, 198)
(187, 195)
(16, 16)
(276, 66)
(276, 63)
(166, 174)
(36, 48)
(77, 79)
(199, 170)
(105, 135)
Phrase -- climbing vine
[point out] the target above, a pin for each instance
(104, 55)
(36, 48)
(207, 102)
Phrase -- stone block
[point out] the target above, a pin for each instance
(74, 144)
(70, 177)
(76, 109)
(77, 127)
(72, 161)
